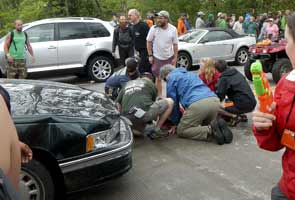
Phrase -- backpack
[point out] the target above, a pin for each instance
(12, 41)
(125, 38)
(7, 191)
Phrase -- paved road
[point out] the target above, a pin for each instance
(179, 169)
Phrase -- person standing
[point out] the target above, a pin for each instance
(115, 20)
(162, 45)
(210, 22)
(181, 27)
(14, 49)
(271, 129)
(140, 30)
(123, 38)
(238, 26)
(199, 21)
(222, 23)
(251, 27)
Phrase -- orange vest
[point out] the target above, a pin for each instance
(149, 22)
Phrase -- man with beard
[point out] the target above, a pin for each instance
(140, 30)
(162, 45)
(14, 49)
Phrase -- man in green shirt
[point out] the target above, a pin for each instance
(137, 101)
(14, 49)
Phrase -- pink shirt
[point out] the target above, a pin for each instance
(272, 29)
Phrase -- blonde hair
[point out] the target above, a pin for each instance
(208, 69)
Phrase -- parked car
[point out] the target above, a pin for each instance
(78, 138)
(273, 57)
(217, 43)
(72, 45)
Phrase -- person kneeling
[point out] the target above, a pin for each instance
(201, 106)
(233, 84)
(137, 101)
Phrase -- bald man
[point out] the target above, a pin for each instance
(140, 31)
(14, 49)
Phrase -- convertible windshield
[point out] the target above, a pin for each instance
(192, 37)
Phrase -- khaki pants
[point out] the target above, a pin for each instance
(194, 122)
(17, 69)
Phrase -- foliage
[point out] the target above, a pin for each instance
(31, 10)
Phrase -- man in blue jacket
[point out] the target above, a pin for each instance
(201, 107)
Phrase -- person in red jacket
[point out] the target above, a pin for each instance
(208, 74)
(270, 129)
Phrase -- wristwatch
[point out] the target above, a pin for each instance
(150, 55)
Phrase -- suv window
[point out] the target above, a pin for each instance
(98, 30)
(70, 31)
(41, 33)
(216, 36)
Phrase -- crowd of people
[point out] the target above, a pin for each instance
(196, 106)
(200, 107)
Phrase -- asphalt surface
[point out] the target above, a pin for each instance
(180, 169)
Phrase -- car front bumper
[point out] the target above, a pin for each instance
(94, 170)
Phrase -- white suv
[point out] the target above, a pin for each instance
(72, 44)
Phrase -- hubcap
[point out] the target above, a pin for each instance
(101, 69)
(243, 57)
(182, 61)
(31, 188)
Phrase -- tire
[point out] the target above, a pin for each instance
(100, 68)
(242, 56)
(184, 60)
(247, 70)
(36, 182)
(281, 67)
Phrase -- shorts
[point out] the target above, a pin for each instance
(17, 69)
(156, 109)
(158, 64)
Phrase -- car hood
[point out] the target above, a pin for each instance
(42, 98)
(185, 45)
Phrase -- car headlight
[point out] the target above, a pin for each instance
(118, 135)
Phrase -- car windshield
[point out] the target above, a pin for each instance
(191, 37)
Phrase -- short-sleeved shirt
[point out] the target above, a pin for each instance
(163, 40)
(140, 93)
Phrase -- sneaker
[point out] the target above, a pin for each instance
(227, 133)
(157, 133)
(218, 135)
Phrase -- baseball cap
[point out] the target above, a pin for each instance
(163, 13)
(201, 13)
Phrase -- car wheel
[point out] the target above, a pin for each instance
(281, 67)
(242, 56)
(36, 182)
(247, 70)
(184, 60)
(100, 68)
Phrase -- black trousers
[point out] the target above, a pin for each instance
(144, 65)
(124, 54)
(277, 194)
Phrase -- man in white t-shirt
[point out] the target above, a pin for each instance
(162, 46)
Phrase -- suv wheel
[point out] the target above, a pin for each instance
(100, 68)
(36, 182)
(242, 56)
(281, 67)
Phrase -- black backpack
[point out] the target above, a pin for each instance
(12, 41)
(7, 191)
